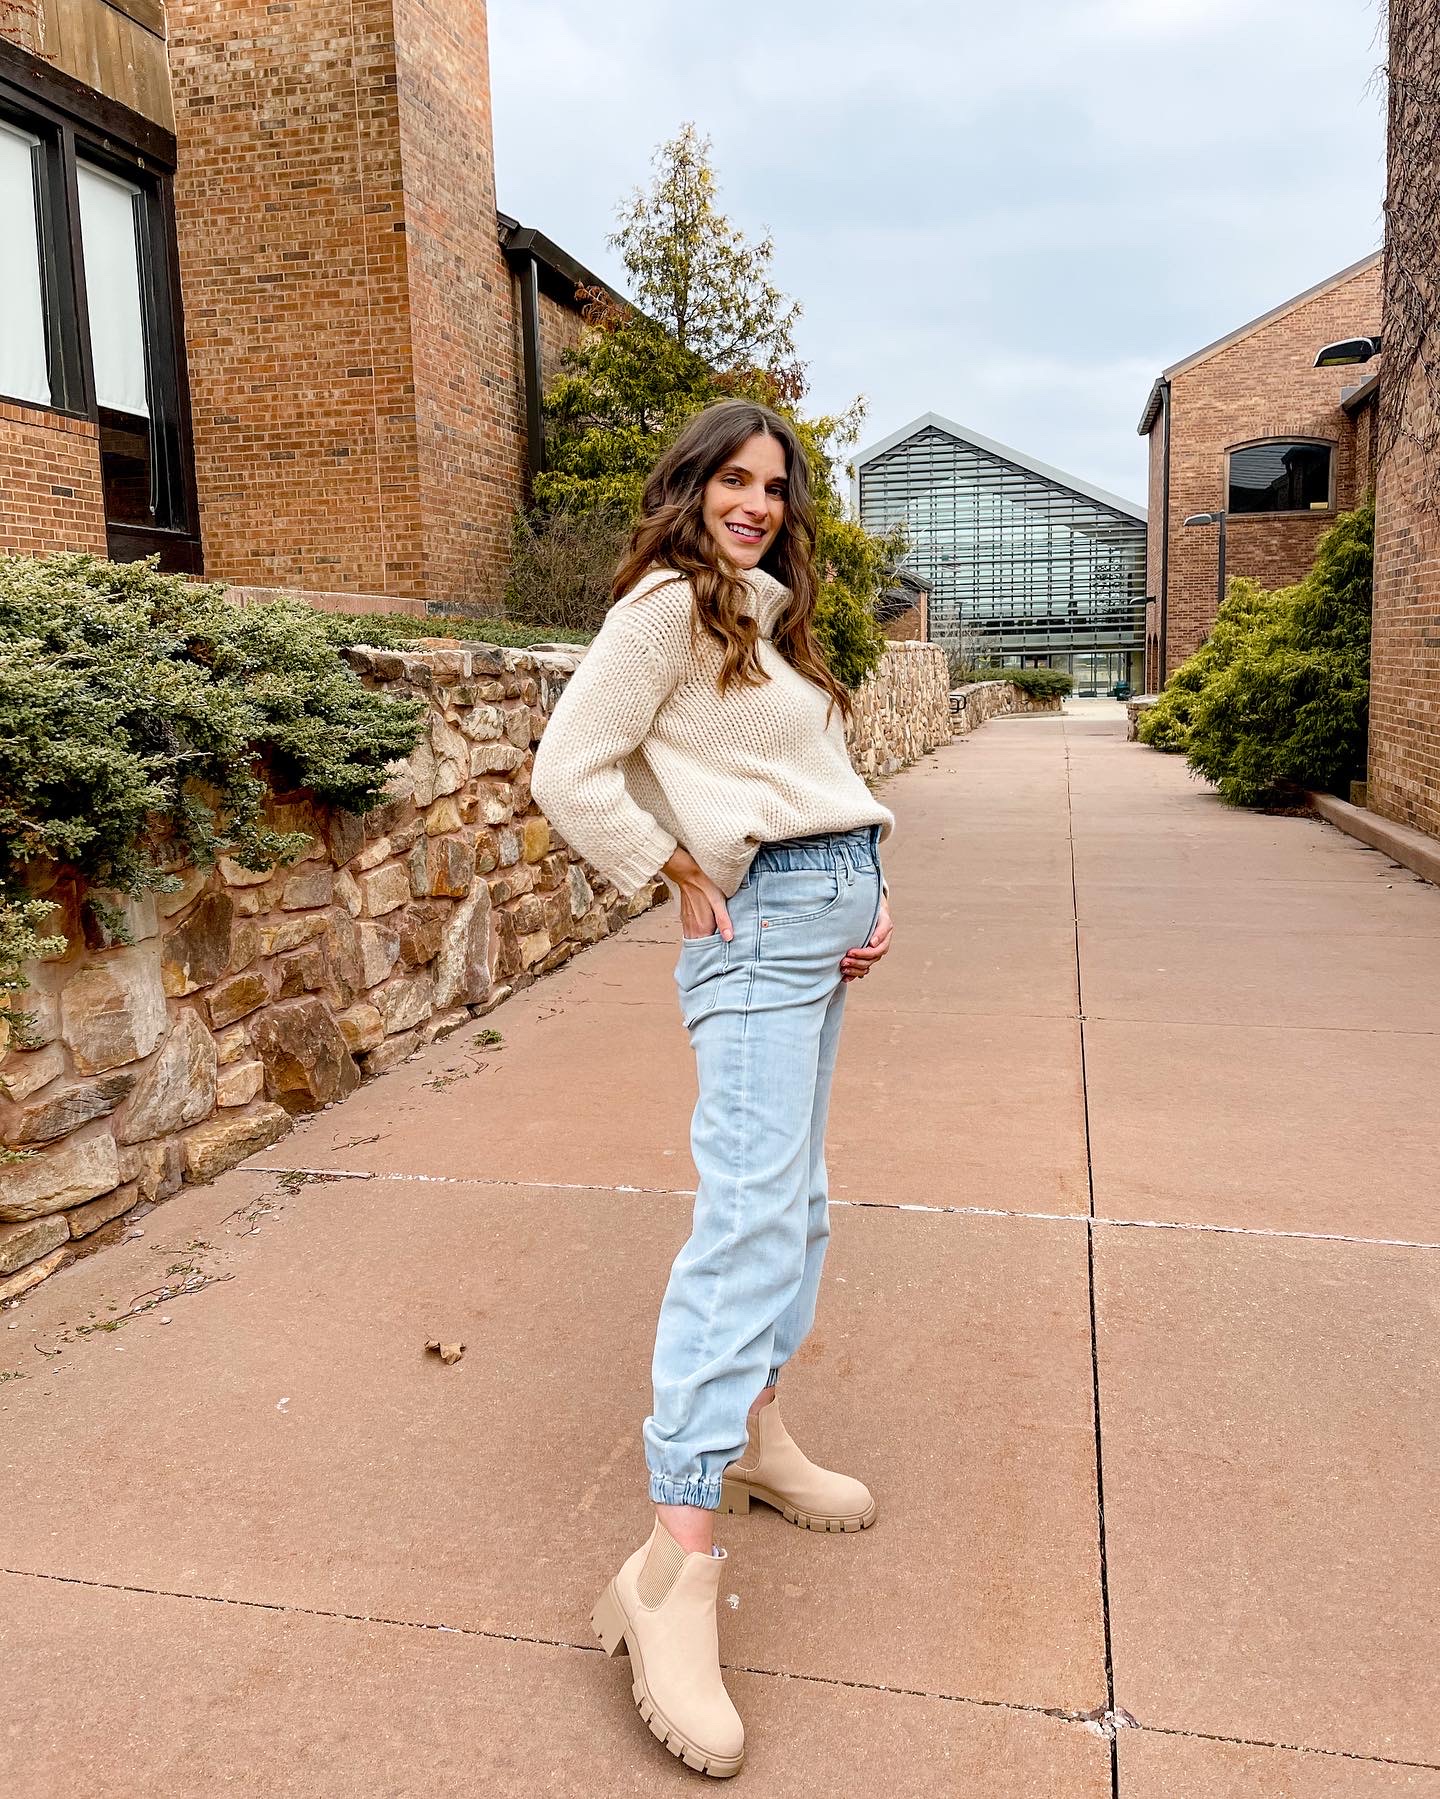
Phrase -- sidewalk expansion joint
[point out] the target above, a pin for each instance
(1110, 1712)
(1095, 1721)
(1349, 1755)
(861, 1205)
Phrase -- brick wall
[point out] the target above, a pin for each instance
(352, 333)
(50, 499)
(561, 328)
(1261, 385)
(1366, 419)
(910, 626)
(293, 265)
(469, 405)
(1404, 764)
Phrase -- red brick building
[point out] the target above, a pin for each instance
(1403, 777)
(1249, 427)
(270, 323)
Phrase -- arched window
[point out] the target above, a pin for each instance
(1284, 475)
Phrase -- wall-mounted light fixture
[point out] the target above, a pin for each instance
(1347, 352)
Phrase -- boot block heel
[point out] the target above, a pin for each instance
(608, 1622)
(734, 1498)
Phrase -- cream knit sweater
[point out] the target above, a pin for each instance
(642, 752)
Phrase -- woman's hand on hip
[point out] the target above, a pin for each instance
(857, 963)
(703, 910)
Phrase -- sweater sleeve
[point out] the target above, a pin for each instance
(604, 713)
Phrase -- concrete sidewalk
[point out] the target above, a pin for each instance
(1142, 1107)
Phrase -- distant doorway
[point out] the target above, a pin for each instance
(1097, 672)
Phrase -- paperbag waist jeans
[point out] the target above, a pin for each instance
(763, 1013)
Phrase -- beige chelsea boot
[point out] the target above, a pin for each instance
(660, 1610)
(777, 1472)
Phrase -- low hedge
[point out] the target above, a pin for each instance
(1039, 683)
(399, 631)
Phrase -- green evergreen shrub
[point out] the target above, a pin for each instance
(1166, 724)
(1277, 700)
(143, 722)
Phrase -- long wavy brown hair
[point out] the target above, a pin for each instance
(672, 534)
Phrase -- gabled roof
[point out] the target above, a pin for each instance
(1152, 403)
(938, 422)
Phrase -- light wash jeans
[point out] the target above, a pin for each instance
(763, 1013)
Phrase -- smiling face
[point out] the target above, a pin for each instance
(744, 500)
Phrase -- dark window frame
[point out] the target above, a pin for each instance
(76, 124)
(1329, 444)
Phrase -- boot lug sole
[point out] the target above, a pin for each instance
(737, 1497)
(718, 1767)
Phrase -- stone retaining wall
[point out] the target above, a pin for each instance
(977, 701)
(245, 999)
(1135, 710)
(904, 711)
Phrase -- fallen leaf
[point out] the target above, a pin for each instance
(447, 1352)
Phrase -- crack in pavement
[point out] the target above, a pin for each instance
(1098, 1721)
(858, 1205)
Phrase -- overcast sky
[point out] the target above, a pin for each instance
(1013, 213)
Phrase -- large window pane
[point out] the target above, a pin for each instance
(1280, 477)
(108, 209)
(24, 370)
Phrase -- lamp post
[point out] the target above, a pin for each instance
(1214, 518)
(957, 562)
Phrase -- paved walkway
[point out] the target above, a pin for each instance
(1144, 1105)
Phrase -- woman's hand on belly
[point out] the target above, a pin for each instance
(855, 964)
(703, 911)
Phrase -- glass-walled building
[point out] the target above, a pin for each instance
(1027, 567)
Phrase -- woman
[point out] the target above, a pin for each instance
(702, 737)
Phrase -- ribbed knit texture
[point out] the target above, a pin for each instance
(642, 752)
(663, 1564)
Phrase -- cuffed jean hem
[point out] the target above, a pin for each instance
(665, 1490)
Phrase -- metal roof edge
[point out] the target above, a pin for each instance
(992, 447)
(1353, 398)
(517, 241)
